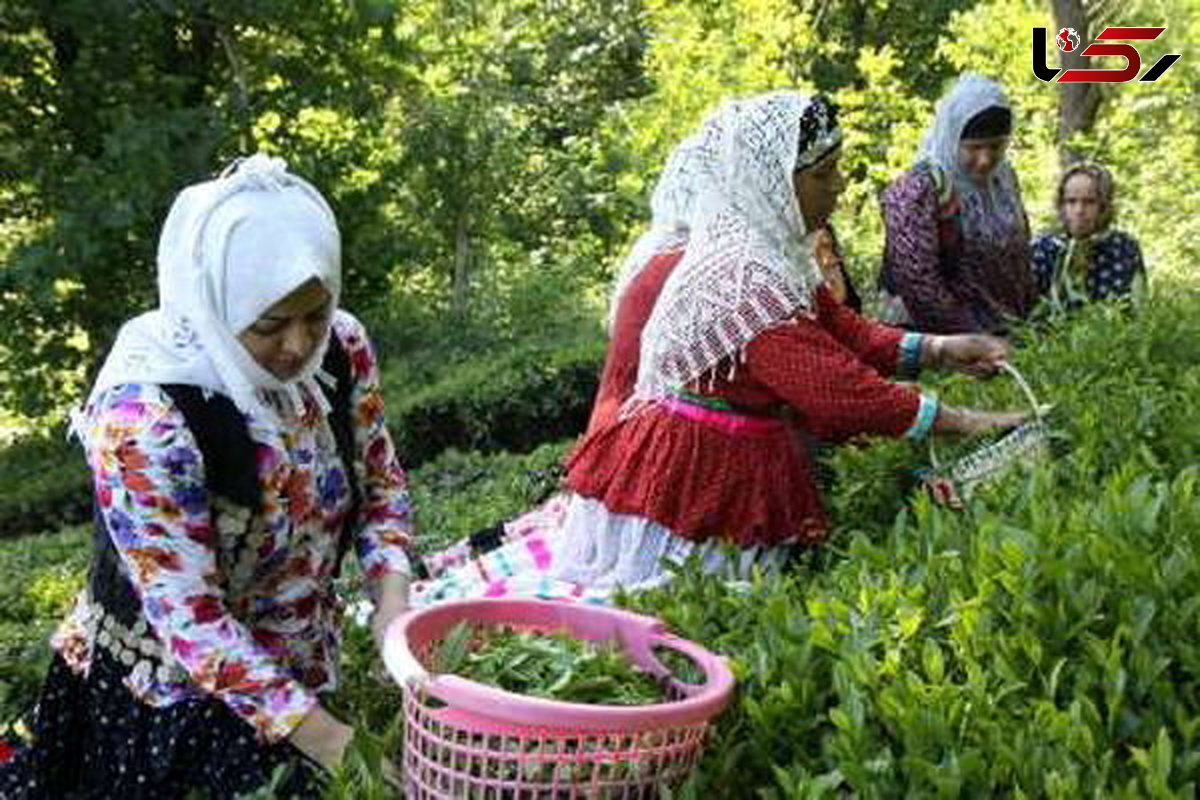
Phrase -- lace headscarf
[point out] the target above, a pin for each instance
(230, 249)
(991, 212)
(691, 169)
(748, 265)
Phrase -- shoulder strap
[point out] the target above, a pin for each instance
(229, 470)
(230, 466)
(341, 421)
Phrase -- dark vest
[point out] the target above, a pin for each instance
(230, 467)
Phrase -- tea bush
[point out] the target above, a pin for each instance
(512, 401)
(1039, 643)
(46, 484)
(459, 493)
(42, 575)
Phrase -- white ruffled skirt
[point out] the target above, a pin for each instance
(574, 548)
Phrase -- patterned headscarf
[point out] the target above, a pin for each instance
(692, 169)
(230, 249)
(748, 264)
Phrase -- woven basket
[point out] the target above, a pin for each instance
(952, 482)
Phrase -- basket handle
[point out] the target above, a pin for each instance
(715, 672)
(1037, 408)
(1034, 405)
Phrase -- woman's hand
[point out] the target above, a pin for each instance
(827, 258)
(970, 422)
(976, 354)
(322, 737)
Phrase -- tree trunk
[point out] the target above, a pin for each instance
(462, 268)
(1078, 103)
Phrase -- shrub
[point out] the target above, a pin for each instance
(459, 493)
(515, 401)
(46, 484)
(42, 575)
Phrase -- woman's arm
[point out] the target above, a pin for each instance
(910, 215)
(887, 350)
(386, 512)
(836, 394)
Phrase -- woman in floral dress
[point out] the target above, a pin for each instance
(237, 445)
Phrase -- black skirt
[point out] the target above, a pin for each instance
(93, 740)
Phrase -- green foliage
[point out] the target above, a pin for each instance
(552, 665)
(46, 484)
(454, 140)
(459, 493)
(42, 575)
(514, 401)
(1033, 645)
(109, 108)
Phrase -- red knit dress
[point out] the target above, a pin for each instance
(621, 361)
(701, 481)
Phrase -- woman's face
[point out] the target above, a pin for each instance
(818, 189)
(1081, 205)
(978, 157)
(287, 334)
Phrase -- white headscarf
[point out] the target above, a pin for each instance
(691, 169)
(230, 249)
(989, 212)
(748, 265)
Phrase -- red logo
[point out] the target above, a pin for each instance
(1068, 40)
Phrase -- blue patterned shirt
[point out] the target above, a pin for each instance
(1114, 260)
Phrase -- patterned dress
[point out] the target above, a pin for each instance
(687, 476)
(1106, 266)
(239, 632)
(948, 282)
(724, 463)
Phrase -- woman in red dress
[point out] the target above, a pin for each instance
(744, 344)
(726, 342)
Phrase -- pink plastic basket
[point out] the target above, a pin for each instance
(463, 739)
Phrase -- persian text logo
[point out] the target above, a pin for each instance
(1068, 40)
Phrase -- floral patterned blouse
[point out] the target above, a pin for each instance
(1112, 261)
(240, 604)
